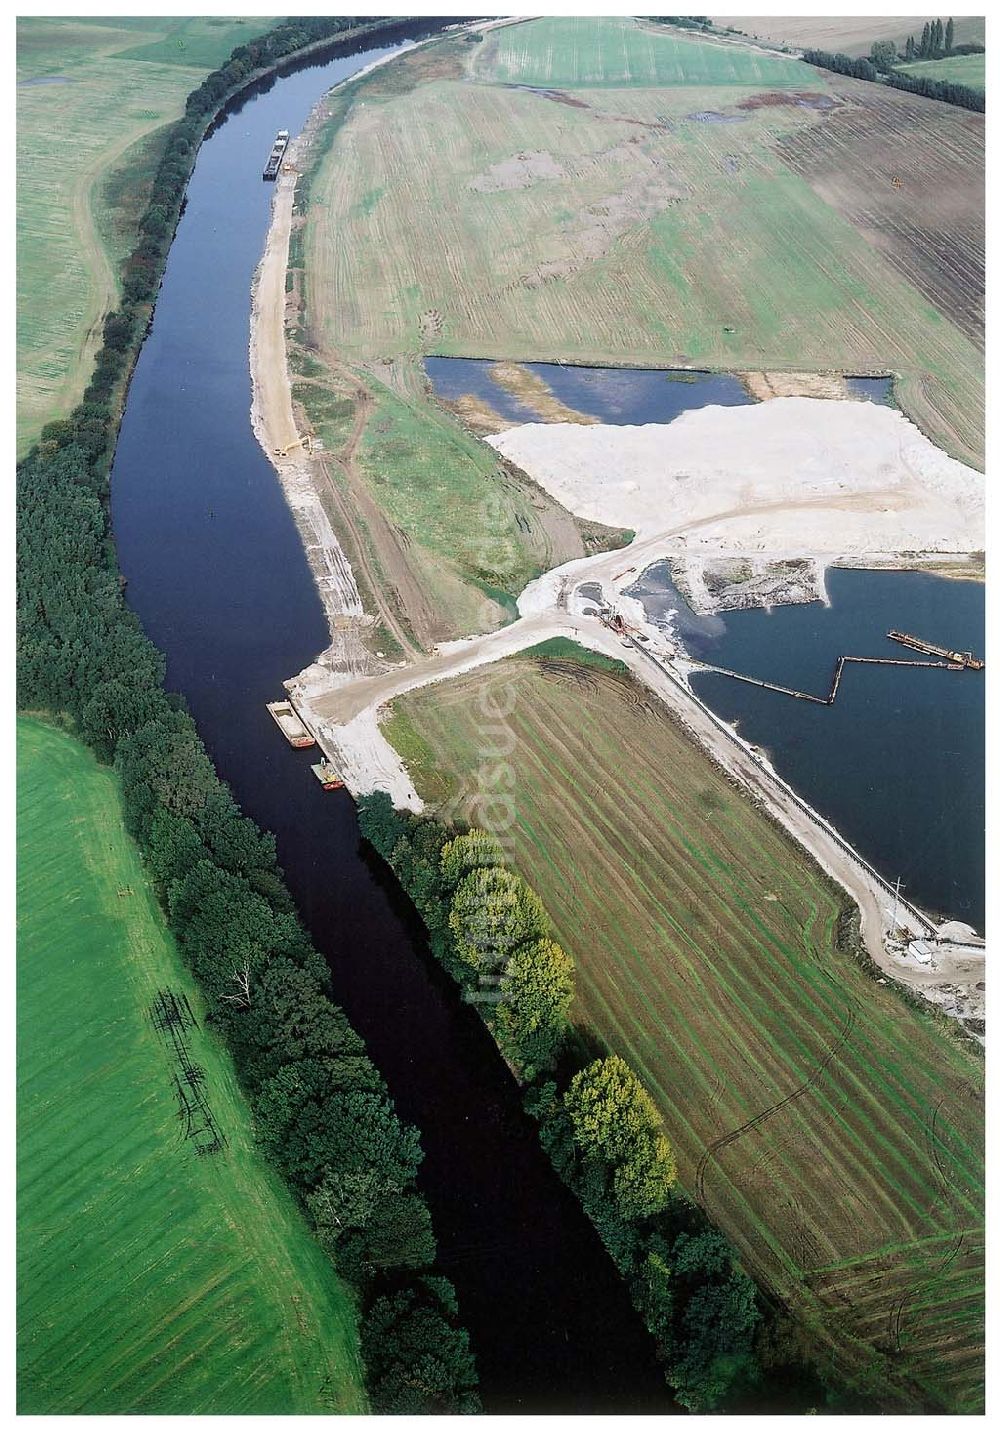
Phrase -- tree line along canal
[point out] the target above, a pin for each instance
(217, 574)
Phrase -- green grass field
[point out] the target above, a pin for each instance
(120, 82)
(150, 1280)
(653, 234)
(962, 69)
(450, 536)
(831, 1130)
(573, 52)
(474, 525)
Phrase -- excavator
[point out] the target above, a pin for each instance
(614, 620)
(306, 444)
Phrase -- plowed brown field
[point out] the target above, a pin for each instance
(832, 1131)
(931, 225)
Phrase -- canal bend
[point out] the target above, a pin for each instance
(218, 577)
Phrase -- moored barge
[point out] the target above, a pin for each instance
(963, 659)
(276, 156)
(291, 725)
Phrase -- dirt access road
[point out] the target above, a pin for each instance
(311, 487)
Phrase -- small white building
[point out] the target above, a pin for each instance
(921, 951)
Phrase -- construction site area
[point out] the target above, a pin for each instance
(457, 559)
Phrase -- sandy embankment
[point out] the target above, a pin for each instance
(272, 416)
(273, 420)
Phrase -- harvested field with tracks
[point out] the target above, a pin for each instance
(848, 34)
(834, 1132)
(643, 225)
(163, 1268)
(931, 225)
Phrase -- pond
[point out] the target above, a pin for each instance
(611, 395)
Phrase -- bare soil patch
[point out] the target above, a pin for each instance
(518, 172)
(802, 99)
(772, 385)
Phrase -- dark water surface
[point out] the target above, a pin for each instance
(217, 574)
(615, 396)
(897, 763)
(878, 389)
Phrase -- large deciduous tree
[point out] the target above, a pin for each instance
(493, 912)
(464, 854)
(615, 1121)
(537, 992)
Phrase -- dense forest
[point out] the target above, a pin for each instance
(322, 1110)
(722, 1346)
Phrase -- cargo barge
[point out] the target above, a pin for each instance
(276, 156)
(291, 725)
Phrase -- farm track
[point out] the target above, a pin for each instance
(379, 538)
(808, 1093)
(66, 150)
(763, 1116)
(65, 279)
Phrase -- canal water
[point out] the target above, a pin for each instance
(897, 763)
(217, 574)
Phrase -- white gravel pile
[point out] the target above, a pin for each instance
(794, 475)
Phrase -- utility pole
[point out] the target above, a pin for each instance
(895, 908)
